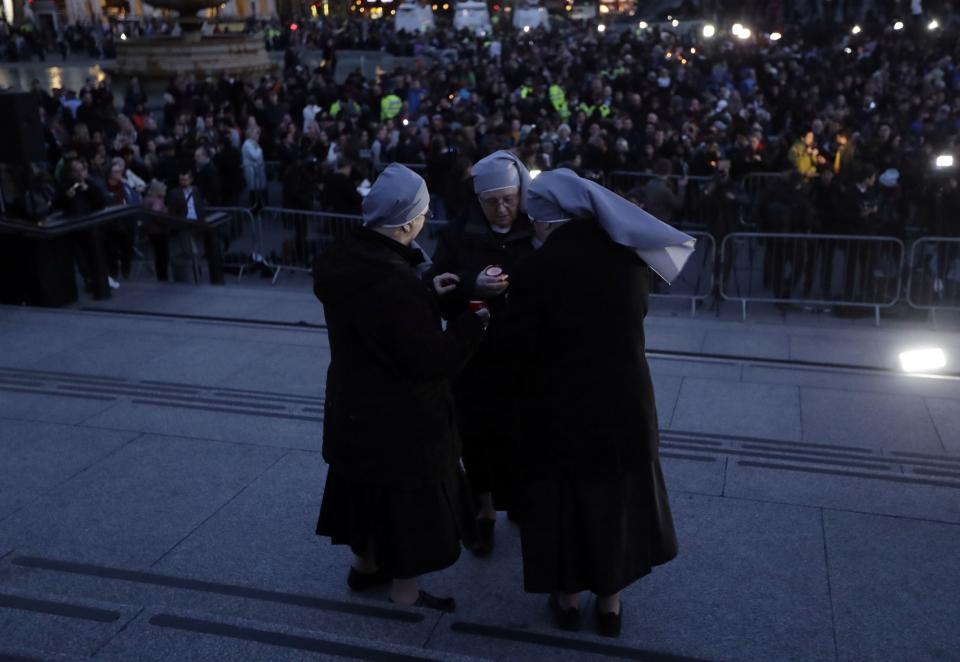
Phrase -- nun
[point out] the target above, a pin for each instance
(481, 251)
(394, 491)
(594, 513)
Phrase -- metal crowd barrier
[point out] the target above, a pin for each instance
(291, 238)
(756, 182)
(696, 281)
(239, 239)
(811, 269)
(934, 280)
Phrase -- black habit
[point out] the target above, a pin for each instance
(479, 390)
(593, 508)
(393, 487)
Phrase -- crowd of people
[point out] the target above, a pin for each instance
(852, 123)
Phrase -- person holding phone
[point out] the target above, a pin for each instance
(394, 491)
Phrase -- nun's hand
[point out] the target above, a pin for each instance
(445, 283)
(490, 286)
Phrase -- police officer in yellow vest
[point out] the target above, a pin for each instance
(558, 99)
(390, 107)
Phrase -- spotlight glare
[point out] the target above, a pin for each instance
(737, 27)
(709, 30)
(898, 25)
(642, 25)
(674, 22)
(847, 50)
(601, 27)
(526, 28)
(945, 161)
(856, 30)
(775, 36)
(744, 33)
(923, 360)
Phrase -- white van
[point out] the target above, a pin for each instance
(472, 15)
(413, 17)
(529, 15)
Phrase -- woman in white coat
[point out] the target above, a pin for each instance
(254, 168)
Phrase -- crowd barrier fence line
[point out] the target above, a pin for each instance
(934, 280)
(697, 280)
(241, 239)
(803, 269)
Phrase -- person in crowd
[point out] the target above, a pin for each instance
(805, 156)
(594, 512)
(207, 177)
(186, 201)
(482, 250)
(254, 168)
(659, 199)
(121, 234)
(394, 492)
(81, 195)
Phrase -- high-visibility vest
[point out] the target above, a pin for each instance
(558, 99)
(587, 110)
(390, 107)
(604, 110)
(525, 91)
(335, 108)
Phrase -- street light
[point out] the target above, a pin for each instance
(856, 29)
(744, 33)
(526, 28)
(642, 25)
(944, 161)
(933, 25)
(898, 25)
(775, 36)
(601, 27)
(674, 22)
(709, 31)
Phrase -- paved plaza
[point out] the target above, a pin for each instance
(161, 479)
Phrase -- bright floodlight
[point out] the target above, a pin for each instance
(848, 50)
(674, 22)
(856, 29)
(526, 28)
(601, 27)
(406, 121)
(775, 36)
(933, 25)
(945, 161)
(534, 174)
(709, 30)
(744, 33)
(898, 25)
(923, 360)
(737, 27)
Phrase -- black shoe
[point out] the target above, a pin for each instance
(607, 623)
(448, 605)
(484, 545)
(362, 581)
(565, 619)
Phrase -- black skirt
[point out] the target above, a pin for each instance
(597, 534)
(410, 531)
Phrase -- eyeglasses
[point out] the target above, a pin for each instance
(507, 201)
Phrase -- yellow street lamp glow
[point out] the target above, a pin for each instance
(775, 36)
(856, 30)
(604, 9)
(601, 28)
(923, 360)
(898, 25)
(709, 30)
(933, 25)
(446, 6)
(944, 161)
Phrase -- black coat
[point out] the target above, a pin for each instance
(468, 246)
(389, 416)
(574, 328)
